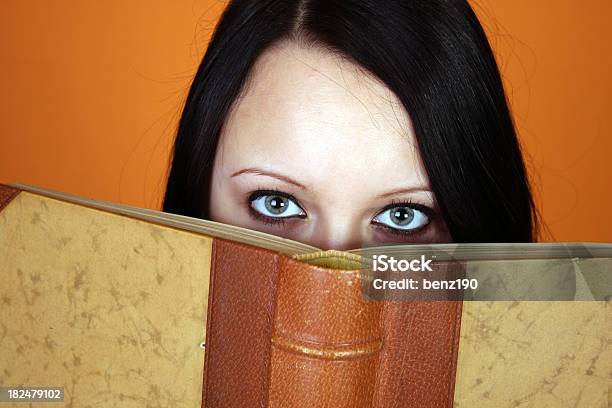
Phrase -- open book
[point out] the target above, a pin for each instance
(129, 307)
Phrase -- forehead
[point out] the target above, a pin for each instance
(313, 115)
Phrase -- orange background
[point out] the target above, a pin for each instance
(91, 94)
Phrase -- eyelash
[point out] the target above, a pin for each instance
(429, 212)
(260, 217)
(405, 203)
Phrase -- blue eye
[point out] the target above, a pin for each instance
(402, 217)
(277, 206)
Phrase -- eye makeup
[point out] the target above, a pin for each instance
(422, 211)
(269, 220)
(388, 234)
(382, 232)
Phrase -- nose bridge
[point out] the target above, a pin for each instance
(339, 232)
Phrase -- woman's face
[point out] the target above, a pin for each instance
(319, 151)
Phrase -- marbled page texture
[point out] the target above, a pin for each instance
(535, 354)
(109, 307)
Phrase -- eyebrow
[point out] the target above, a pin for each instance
(405, 190)
(272, 174)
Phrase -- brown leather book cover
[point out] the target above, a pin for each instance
(309, 338)
(6, 195)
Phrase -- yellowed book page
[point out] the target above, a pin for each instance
(109, 307)
(200, 226)
(535, 354)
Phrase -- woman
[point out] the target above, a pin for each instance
(350, 123)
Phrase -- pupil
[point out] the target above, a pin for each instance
(402, 215)
(276, 204)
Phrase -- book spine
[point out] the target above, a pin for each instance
(326, 339)
(283, 333)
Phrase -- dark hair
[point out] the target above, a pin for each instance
(433, 54)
